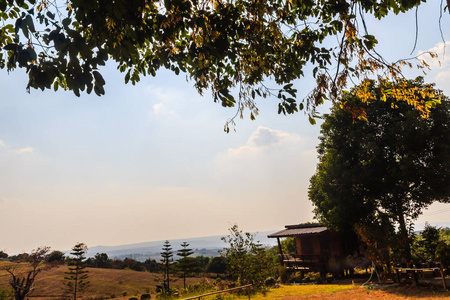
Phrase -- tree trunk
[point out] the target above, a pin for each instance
(405, 242)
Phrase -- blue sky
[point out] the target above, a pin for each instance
(151, 161)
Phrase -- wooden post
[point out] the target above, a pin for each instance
(416, 280)
(398, 275)
(443, 278)
(280, 250)
(279, 246)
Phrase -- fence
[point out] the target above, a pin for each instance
(248, 286)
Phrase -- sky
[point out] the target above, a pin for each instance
(152, 162)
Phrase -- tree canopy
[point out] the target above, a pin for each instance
(229, 47)
(393, 163)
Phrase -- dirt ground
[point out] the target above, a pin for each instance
(392, 293)
(429, 288)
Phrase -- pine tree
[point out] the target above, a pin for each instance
(184, 263)
(167, 255)
(77, 276)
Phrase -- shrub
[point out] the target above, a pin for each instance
(283, 274)
(270, 281)
(6, 294)
(145, 296)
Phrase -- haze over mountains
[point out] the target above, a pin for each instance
(207, 246)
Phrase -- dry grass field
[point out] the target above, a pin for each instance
(106, 283)
(123, 284)
(348, 292)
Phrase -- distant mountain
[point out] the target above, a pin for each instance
(419, 227)
(207, 246)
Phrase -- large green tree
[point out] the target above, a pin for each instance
(229, 47)
(393, 163)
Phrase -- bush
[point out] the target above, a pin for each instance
(167, 293)
(133, 298)
(297, 277)
(270, 281)
(145, 296)
(6, 294)
(247, 260)
(283, 274)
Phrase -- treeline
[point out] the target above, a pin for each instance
(197, 265)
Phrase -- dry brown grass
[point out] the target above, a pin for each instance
(399, 293)
(349, 292)
(105, 283)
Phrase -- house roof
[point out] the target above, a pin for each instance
(293, 230)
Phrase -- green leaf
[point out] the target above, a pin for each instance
(66, 22)
(11, 47)
(32, 54)
(98, 78)
(51, 15)
(29, 23)
(18, 25)
(312, 121)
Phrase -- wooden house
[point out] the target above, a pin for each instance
(317, 249)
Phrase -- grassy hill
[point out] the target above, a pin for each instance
(105, 283)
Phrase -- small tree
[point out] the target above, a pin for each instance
(3, 255)
(166, 255)
(201, 263)
(101, 260)
(430, 236)
(22, 280)
(76, 281)
(217, 265)
(152, 265)
(431, 245)
(185, 265)
(247, 260)
(56, 257)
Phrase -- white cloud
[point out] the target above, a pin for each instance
(265, 138)
(442, 50)
(2, 144)
(440, 66)
(443, 76)
(157, 108)
(268, 158)
(268, 176)
(25, 150)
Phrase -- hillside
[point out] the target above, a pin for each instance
(207, 246)
(104, 282)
